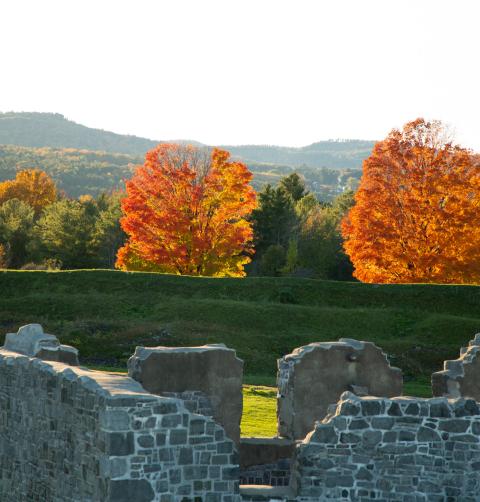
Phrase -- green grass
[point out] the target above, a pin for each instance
(259, 417)
(105, 314)
(420, 387)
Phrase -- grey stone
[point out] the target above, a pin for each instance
(212, 369)
(383, 423)
(454, 425)
(371, 438)
(31, 340)
(460, 377)
(127, 490)
(324, 434)
(315, 376)
(427, 434)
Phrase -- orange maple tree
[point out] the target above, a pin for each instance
(32, 186)
(416, 216)
(185, 213)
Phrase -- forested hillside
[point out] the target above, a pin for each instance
(79, 172)
(76, 172)
(334, 154)
(54, 130)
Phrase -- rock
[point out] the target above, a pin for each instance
(30, 340)
(213, 370)
(314, 376)
(460, 377)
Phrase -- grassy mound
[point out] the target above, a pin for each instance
(105, 314)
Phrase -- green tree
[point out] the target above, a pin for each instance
(294, 186)
(65, 231)
(291, 258)
(273, 260)
(306, 204)
(273, 220)
(16, 223)
(320, 246)
(108, 236)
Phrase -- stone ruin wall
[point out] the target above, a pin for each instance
(460, 377)
(72, 435)
(213, 372)
(402, 449)
(266, 461)
(313, 377)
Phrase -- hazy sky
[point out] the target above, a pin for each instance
(247, 71)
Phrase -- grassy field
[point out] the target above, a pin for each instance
(105, 314)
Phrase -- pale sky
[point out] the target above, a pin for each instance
(246, 71)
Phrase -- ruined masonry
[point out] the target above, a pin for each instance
(314, 376)
(30, 340)
(461, 376)
(213, 371)
(402, 449)
(68, 434)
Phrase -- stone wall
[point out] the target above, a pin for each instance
(212, 369)
(460, 377)
(265, 461)
(314, 376)
(402, 449)
(72, 435)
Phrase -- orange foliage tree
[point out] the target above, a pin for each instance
(416, 216)
(185, 213)
(32, 186)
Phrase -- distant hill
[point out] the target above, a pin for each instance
(55, 131)
(79, 172)
(83, 160)
(76, 172)
(333, 154)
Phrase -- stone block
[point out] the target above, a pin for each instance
(314, 376)
(30, 340)
(212, 369)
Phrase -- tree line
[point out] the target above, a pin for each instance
(191, 210)
(292, 232)
(42, 229)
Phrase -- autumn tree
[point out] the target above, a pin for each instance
(185, 212)
(32, 186)
(416, 216)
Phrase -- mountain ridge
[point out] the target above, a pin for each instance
(38, 129)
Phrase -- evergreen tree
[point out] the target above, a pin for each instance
(16, 223)
(274, 219)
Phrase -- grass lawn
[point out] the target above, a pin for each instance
(259, 417)
(105, 314)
